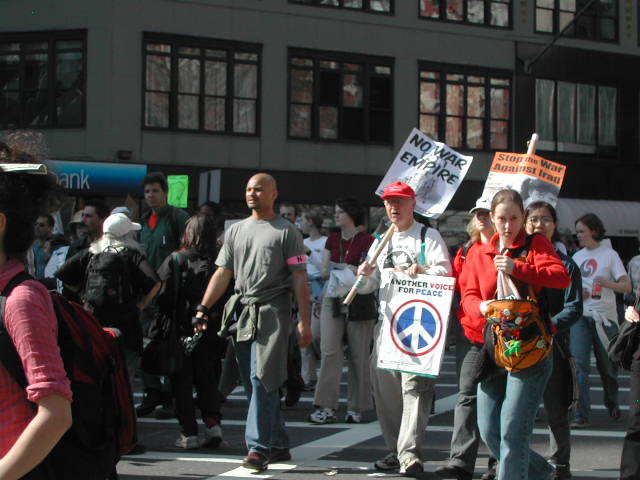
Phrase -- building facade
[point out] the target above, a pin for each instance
(323, 92)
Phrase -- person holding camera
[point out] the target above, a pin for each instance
(193, 264)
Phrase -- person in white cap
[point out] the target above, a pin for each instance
(403, 401)
(114, 280)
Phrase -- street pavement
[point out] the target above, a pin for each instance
(347, 451)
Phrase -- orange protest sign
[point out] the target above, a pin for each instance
(532, 165)
(535, 177)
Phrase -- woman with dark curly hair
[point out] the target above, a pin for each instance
(345, 249)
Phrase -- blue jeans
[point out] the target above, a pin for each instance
(507, 406)
(265, 424)
(583, 337)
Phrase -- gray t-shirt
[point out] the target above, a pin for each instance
(262, 255)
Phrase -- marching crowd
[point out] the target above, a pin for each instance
(261, 303)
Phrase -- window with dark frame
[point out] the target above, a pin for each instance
(198, 84)
(334, 96)
(599, 22)
(492, 13)
(464, 109)
(372, 6)
(42, 79)
(576, 117)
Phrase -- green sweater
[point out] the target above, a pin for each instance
(160, 242)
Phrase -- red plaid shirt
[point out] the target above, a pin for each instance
(30, 321)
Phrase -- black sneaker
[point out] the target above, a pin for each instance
(453, 472)
(149, 403)
(293, 396)
(490, 474)
(388, 463)
(614, 412)
(562, 472)
(279, 455)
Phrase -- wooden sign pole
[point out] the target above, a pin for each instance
(372, 262)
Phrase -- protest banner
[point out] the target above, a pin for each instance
(534, 177)
(431, 168)
(415, 322)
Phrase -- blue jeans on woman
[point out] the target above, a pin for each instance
(584, 336)
(507, 406)
(265, 428)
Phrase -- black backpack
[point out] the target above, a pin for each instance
(108, 282)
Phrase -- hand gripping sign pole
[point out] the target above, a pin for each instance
(372, 263)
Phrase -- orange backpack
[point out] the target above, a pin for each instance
(516, 329)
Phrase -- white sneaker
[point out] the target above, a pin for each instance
(323, 415)
(353, 417)
(212, 436)
(189, 443)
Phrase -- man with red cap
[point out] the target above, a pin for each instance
(403, 400)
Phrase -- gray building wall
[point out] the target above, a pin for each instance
(114, 69)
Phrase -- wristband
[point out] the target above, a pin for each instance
(195, 321)
(202, 309)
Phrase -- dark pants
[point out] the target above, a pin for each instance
(466, 437)
(630, 463)
(556, 404)
(294, 362)
(153, 383)
(202, 371)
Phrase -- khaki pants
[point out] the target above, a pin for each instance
(403, 405)
(335, 332)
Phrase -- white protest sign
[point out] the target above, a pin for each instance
(535, 178)
(413, 333)
(431, 168)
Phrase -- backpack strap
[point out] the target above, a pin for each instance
(465, 249)
(423, 258)
(9, 356)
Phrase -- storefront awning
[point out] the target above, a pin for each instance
(621, 219)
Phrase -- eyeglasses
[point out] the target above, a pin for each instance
(541, 220)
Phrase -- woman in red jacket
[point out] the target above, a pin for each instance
(507, 402)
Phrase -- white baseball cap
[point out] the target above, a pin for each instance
(481, 204)
(119, 224)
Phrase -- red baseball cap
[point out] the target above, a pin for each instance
(398, 189)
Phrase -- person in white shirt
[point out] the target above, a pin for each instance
(314, 243)
(603, 275)
(403, 401)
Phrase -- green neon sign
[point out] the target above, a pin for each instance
(178, 190)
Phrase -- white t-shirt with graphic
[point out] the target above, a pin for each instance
(602, 261)
(406, 249)
(316, 248)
